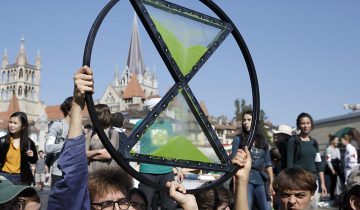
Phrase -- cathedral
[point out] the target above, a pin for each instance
(20, 88)
(21, 80)
(135, 84)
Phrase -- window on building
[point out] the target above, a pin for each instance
(20, 91)
(21, 73)
(32, 77)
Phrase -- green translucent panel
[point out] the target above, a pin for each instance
(175, 134)
(186, 36)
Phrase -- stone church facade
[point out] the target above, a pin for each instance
(20, 88)
(135, 84)
(21, 80)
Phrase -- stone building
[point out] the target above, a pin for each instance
(330, 125)
(135, 84)
(20, 90)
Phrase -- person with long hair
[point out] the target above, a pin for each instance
(17, 151)
(261, 174)
(303, 151)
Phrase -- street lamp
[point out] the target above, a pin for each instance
(353, 107)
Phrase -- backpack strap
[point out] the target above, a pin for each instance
(297, 146)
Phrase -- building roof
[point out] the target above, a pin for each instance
(338, 118)
(135, 60)
(21, 58)
(5, 116)
(204, 109)
(54, 112)
(133, 89)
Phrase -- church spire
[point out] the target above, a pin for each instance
(135, 60)
(21, 57)
(116, 78)
(38, 59)
(5, 59)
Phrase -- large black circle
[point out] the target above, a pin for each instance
(119, 157)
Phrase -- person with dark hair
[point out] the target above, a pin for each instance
(303, 151)
(98, 156)
(351, 196)
(333, 166)
(109, 186)
(57, 134)
(348, 139)
(294, 189)
(17, 151)
(137, 199)
(261, 175)
(117, 121)
(105, 188)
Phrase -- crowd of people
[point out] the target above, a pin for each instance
(290, 175)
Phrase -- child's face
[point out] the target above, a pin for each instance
(295, 199)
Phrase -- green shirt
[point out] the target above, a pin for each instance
(305, 157)
(156, 136)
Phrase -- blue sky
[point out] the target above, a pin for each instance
(306, 53)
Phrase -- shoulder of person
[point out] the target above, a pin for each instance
(293, 139)
(56, 124)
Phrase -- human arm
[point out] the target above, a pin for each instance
(71, 192)
(98, 154)
(242, 159)
(290, 153)
(102, 153)
(269, 170)
(271, 179)
(328, 160)
(178, 193)
(322, 183)
(31, 154)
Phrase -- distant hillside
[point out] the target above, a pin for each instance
(181, 148)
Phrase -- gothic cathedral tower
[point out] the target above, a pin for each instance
(21, 80)
(130, 89)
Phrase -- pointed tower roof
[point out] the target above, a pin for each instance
(5, 59)
(38, 59)
(21, 57)
(5, 116)
(133, 89)
(135, 59)
(13, 105)
(116, 77)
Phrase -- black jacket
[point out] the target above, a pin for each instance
(25, 169)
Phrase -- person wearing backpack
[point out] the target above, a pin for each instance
(303, 150)
(57, 134)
